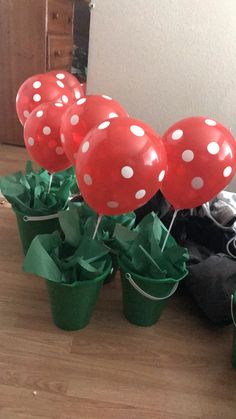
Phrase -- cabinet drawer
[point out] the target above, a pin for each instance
(59, 51)
(60, 16)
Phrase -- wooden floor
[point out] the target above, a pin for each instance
(180, 368)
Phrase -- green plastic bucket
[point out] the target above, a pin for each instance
(233, 313)
(72, 305)
(145, 298)
(30, 226)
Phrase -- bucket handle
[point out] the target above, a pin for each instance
(40, 218)
(232, 310)
(145, 294)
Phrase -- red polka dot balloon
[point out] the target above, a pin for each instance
(120, 165)
(201, 157)
(70, 81)
(39, 89)
(82, 116)
(42, 137)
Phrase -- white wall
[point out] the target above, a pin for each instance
(166, 59)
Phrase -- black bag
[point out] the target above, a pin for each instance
(211, 282)
(212, 272)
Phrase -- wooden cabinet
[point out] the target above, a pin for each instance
(60, 14)
(36, 36)
(59, 51)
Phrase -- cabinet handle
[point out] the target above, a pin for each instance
(57, 53)
(55, 15)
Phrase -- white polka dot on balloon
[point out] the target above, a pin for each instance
(197, 182)
(59, 150)
(81, 101)
(62, 138)
(227, 171)
(136, 130)
(17, 97)
(88, 180)
(74, 119)
(213, 148)
(60, 76)
(85, 147)
(112, 204)
(37, 84)
(26, 114)
(161, 176)
(77, 94)
(127, 172)
(39, 114)
(187, 156)
(177, 134)
(104, 125)
(36, 98)
(107, 97)
(31, 141)
(58, 104)
(210, 122)
(60, 84)
(46, 130)
(113, 115)
(140, 194)
(65, 99)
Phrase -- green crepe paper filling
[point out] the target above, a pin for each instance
(140, 250)
(28, 193)
(75, 256)
(56, 260)
(81, 220)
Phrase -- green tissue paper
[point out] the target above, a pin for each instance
(54, 259)
(140, 250)
(81, 220)
(28, 192)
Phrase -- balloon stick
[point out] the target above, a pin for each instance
(50, 182)
(97, 225)
(169, 230)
